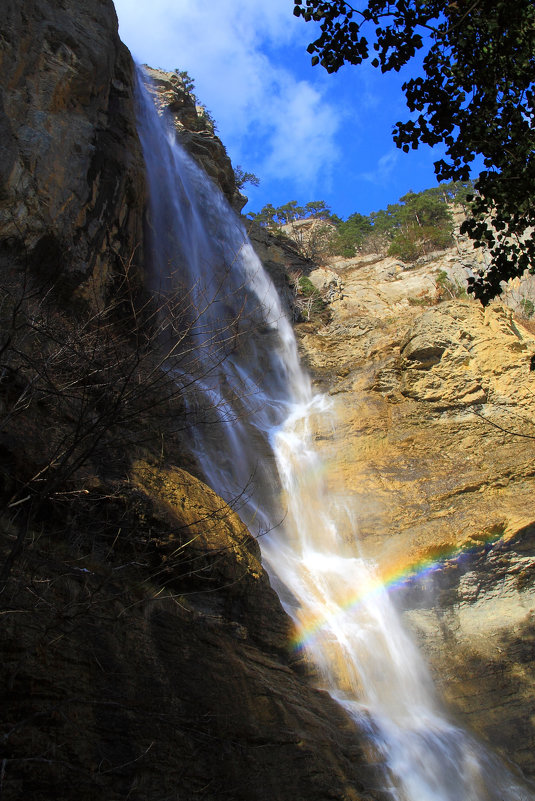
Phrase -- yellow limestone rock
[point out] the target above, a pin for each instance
(201, 520)
(435, 406)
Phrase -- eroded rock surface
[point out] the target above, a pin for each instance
(475, 619)
(435, 406)
(144, 654)
(72, 178)
(153, 662)
(195, 130)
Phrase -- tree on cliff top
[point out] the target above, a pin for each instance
(475, 94)
(242, 177)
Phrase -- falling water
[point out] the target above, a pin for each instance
(252, 415)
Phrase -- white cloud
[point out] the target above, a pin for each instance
(303, 134)
(384, 169)
(238, 52)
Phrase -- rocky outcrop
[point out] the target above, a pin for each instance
(71, 173)
(311, 235)
(149, 656)
(219, 549)
(435, 406)
(474, 616)
(280, 259)
(194, 129)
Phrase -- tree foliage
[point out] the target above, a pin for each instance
(241, 177)
(351, 234)
(475, 94)
(271, 217)
(419, 223)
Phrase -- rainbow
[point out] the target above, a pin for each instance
(391, 578)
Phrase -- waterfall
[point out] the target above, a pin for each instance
(251, 417)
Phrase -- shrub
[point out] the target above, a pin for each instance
(414, 241)
(448, 287)
(527, 308)
(309, 301)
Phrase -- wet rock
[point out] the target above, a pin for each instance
(435, 406)
(474, 617)
(195, 130)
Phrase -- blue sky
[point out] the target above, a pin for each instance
(307, 135)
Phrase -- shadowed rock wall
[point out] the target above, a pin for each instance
(144, 654)
(71, 173)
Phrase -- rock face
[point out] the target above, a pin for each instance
(71, 174)
(475, 619)
(280, 259)
(155, 662)
(435, 405)
(194, 129)
(144, 654)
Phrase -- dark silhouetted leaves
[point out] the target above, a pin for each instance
(475, 94)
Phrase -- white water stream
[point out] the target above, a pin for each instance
(252, 409)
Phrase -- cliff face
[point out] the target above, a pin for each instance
(435, 403)
(194, 130)
(71, 174)
(152, 662)
(144, 653)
